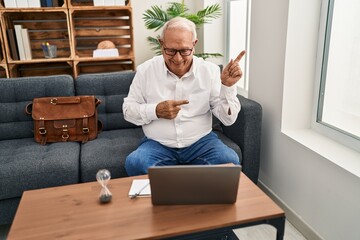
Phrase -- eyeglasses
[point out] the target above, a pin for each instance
(173, 52)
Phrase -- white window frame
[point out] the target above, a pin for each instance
(323, 128)
(242, 88)
(298, 88)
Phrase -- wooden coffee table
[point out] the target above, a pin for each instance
(74, 212)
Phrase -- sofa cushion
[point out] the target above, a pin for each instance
(8, 209)
(109, 150)
(16, 93)
(111, 89)
(27, 165)
(230, 143)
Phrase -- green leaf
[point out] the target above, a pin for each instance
(209, 13)
(194, 18)
(155, 18)
(208, 55)
(156, 46)
(176, 9)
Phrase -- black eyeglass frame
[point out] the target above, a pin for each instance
(183, 52)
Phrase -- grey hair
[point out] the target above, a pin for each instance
(179, 23)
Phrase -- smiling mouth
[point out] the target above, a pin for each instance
(177, 63)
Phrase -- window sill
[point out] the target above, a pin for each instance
(243, 92)
(344, 157)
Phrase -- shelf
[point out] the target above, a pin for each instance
(43, 26)
(61, 3)
(3, 71)
(76, 28)
(40, 69)
(97, 59)
(90, 3)
(41, 60)
(80, 3)
(83, 67)
(90, 27)
(2, 49)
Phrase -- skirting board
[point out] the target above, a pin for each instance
(307, 231)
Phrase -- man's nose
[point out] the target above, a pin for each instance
(178, 55)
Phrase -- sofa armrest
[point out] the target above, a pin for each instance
(246, 132)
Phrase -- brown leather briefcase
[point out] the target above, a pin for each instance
(62, 119)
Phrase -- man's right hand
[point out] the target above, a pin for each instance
(169, 109)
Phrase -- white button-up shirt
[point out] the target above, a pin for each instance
(154, 83)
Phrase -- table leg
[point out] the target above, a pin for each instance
(279, 224)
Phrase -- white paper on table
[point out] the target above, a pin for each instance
(138, 185)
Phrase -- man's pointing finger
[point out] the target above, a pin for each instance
(240, 56)
(181, 102)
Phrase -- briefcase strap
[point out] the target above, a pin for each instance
(42, 131)
(85, 129)
(65, 132)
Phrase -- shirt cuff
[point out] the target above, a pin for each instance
(228, 92)
(150, 112)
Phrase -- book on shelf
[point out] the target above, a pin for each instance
(110, 52)
(22, 3)
(27, 44)
(34, 3)
(120, 3)
(12, 44)
(55, 3)
(49, 3)
(109, 2)
(10, 3)
(98, 2)
(19, 41)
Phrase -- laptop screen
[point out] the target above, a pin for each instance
(194, 184)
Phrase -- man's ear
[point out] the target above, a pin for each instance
(195, 42)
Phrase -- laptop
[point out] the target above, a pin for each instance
(194, 184)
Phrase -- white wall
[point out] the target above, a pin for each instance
(319, 192)
(214, 33)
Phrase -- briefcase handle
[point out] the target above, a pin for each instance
(60, 100)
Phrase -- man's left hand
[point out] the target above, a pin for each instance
(232, 72)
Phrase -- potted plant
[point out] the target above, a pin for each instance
(156, 17)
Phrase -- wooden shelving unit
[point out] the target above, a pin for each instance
(76, 28)
(3, 66)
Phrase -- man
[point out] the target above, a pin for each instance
(173, 97)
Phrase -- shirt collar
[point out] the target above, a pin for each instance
(189, 73)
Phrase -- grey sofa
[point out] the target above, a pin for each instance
(26, 165)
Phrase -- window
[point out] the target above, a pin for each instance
(238, 15)
(338, 112)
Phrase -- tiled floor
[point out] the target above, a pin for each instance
(267, 232)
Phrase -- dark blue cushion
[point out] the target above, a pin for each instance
(27, 165)
(16, 93)
(109, 150)
(111, 89)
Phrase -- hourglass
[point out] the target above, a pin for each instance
(103, 177)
